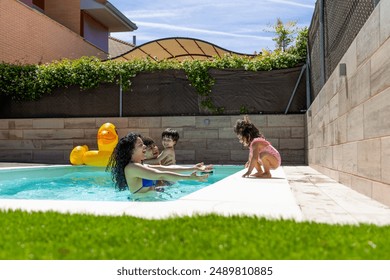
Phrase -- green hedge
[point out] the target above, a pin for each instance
(31, 82)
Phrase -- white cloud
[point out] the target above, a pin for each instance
(293, 3)
(134, 15)
(196, 30)
(237, 26)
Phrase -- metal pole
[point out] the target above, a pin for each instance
(120, 96)
(295, 89)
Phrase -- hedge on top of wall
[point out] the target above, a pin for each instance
(31, 82)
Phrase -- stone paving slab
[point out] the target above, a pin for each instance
(324, 200)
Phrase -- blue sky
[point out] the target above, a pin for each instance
(239, 26)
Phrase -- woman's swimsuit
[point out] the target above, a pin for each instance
(267, 149)
(146, 183)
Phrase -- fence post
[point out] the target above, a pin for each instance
(120, 96)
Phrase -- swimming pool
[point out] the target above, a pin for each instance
(88, 183)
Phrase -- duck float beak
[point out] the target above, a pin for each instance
(106, 137)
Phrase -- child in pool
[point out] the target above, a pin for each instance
(128, 171)
(152, 150)
(167, 156)
(262, 155)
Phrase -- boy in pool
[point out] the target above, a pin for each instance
(262, 155)
(152, 150)
(167, 156)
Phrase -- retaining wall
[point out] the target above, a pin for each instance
(348, 123)
(202, 138)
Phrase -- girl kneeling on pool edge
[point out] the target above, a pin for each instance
(262, 155)
(128, 170)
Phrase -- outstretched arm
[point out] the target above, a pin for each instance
(178, 168)
(147, 172)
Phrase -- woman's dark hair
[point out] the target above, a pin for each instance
(121, 156)
(247, 130)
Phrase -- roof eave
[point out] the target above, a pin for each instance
(109, 16)
(121, 17)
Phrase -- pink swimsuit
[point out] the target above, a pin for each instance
(267, 149)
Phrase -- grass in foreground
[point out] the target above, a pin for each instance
(57, 236)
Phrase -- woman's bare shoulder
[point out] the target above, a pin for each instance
(136, 170)
(133, 165)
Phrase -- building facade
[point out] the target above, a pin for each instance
(41, 31)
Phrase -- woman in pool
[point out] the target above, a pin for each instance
(262, 155)
(128, 170)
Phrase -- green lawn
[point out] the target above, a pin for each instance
(57, 236)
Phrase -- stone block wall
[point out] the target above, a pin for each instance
(348, 123)
(202, 138)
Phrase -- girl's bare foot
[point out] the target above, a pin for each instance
(266, 175)
(258, 174)
(262, 175)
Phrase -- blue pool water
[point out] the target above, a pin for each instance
(89, 183)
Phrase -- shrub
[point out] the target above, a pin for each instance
(30, 82)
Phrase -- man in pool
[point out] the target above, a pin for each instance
(128, 170)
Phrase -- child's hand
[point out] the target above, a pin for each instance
(204, 168)
(208, 168)
(247, 174)
(246, 164)
(169, 162)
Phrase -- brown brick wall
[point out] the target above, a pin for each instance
(27, 36)
(65, 12)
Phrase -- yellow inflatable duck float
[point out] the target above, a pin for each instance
(107, 138)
